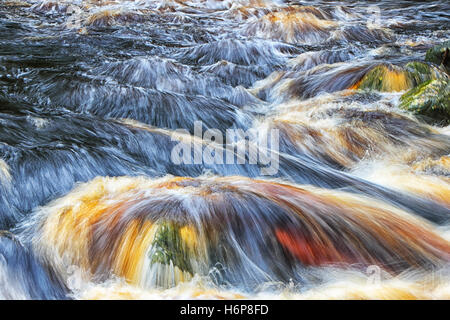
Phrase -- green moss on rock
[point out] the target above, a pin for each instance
(419, 72)
(168, 247)
(430, 99)
(440, 55)
(389, 78)
(385, 78)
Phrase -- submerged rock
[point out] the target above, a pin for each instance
(430, 99)
(440, 55)
(391, 78)
(292, 26)
(157, 233)
(108, 17)
(169, 247)
(385, 78)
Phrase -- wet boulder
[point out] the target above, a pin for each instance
(430, 99)
(440, 55)
(169, 246)
(393, 78)
(385, 78)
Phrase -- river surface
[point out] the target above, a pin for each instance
(220, 149)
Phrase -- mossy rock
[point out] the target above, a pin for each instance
(169, 247)
(440, 55)
(384, 78)
(419, 72)
(430, 99)
(391, 78)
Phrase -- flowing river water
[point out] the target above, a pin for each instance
(93, 205)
